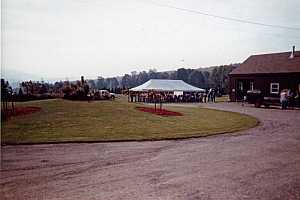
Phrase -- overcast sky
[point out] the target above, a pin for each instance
(69, 38)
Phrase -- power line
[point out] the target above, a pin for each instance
(224, 18)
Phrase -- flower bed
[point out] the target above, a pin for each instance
(162, 112)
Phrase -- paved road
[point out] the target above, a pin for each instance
(261, 163)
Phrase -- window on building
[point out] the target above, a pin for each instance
(240, 85)
(251, 85)
(274, 88)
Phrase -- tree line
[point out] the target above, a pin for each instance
(214, 77)
(6, 99)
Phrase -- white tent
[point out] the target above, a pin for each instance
(165, 85)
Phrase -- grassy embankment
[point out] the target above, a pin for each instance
(63, 120)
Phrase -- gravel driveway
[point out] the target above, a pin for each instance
(260, 163)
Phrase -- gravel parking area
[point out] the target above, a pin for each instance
(260, 163)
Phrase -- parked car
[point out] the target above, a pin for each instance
(103, 95)
(112, 95)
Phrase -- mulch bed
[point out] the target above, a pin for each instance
(162, 112)
(21, 111)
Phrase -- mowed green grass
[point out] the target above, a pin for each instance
(224, 98)
(64, 120)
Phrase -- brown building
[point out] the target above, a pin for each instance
(269, 73)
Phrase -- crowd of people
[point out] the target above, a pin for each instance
(173, 97)
(289, 99)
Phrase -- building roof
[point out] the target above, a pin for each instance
(270, 63)
(166, 85)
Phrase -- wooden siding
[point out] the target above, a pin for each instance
(262, 82)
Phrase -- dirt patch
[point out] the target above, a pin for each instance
(161, 112)
(19, 111)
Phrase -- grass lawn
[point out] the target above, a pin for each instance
(63, 120)
(224, 98)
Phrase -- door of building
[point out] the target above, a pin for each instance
(242, 87)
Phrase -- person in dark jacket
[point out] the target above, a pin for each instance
(284, 99)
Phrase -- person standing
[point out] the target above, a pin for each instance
(201, 97)
(284, 99)
(214, 96)
(291, 99)
(209, 96)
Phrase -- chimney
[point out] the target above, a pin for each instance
(293, 53)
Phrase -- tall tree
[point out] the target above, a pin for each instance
(142, 77)
(182, 74)
(43, 89)
(6, 95)
(126, 81)
(173, 75)
(196, 78)
(220, 77)
(214, 77)
(163, 75)
(206, 79)
(115, 82)
(152, 74)
(100, 82)
(112, 83)
(91, 84)
(133, 79)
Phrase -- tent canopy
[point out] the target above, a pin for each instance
(166, 86)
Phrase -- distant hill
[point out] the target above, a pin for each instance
(202, 69)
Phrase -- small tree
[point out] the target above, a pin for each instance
(67, 91)
(6, 95)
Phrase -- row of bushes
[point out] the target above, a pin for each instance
(30, 97)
